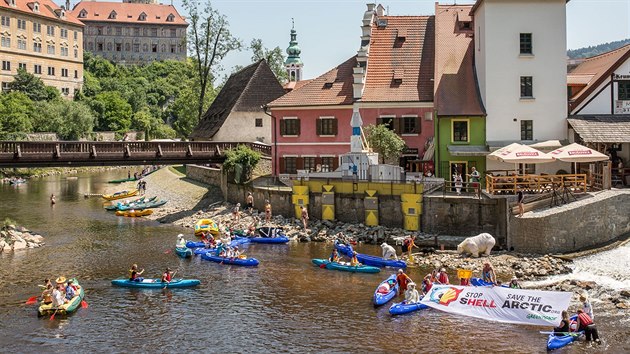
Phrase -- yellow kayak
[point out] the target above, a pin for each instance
(69, 307)
(121, 195)
(134, 213)
(206, 225)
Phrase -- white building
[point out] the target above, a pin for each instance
(520, 62)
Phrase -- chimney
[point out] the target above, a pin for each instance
(68, 5)
(363, 53)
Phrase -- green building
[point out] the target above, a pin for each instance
(460, 127)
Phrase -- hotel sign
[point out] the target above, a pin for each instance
(621, 77)
(622, 107)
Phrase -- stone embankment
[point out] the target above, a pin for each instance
(53, 171)
(17, 238)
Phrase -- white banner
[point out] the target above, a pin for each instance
(500, 304)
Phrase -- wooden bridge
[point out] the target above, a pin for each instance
(91, 153)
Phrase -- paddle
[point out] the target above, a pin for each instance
(84, 304)
(53, 315)
(168, 251)
(31, 300)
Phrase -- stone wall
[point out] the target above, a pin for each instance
(457, 216)
(575, 226)
(207, 175)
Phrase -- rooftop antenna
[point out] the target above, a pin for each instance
(387, 11)
(292, 23)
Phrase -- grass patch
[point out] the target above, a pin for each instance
(178, 169)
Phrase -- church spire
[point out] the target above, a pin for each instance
(293, 63)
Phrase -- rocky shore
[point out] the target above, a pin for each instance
(6, 174)
(17, 238)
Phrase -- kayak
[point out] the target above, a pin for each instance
(121, 195)
(380, 298)
(371, 260)
(480, 282)
(279, 239)
(206, 225)
(401, 308)
(235, 242)
(183, 252)
(247, 262)
(559, 341)
(17, 181)
(156, 283)
(324, 263)
(147, 205)
(135, 201)
(65, 309)
(134, 213)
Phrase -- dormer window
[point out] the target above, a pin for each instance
(401, 34)
(112, 15)
(397, 78)
(142, 17)
(465, 26)
(170, 18)
(34, 6)
(12, 3)
(83, 14)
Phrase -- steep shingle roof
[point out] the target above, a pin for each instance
(456, 91)
(128, 12)
(602, 128)
(401, 60)
(600, 67)
(245, 91)
(47, 9)
(331, 88)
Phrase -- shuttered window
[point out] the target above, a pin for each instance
(290, 165)
(327, 126)
(309, 163)
(290, 126)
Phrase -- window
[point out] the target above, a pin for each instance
(328, 164)
(170, 18)
(409, 125)
(64, 51)
(136, 47)
(145, 47)
(76, 35)
(5, 86)
(173, 48)
(22, 66)
(309, 163)
(76, 74)
(527, 87)
(526, 43)
(108, 30)
(173, 32)
(154, 32)
(527, 130)
(99, 46)
(290, 165)
(6, 42)
(99, 30)
(22, 44)
(76, 52)
(327, 126)
(136, 31)
(63, 33)
(290, 126)
(65, 91)
(119, 31)
(51, 71)
(64, 72)
(154, 48)
(50, 49)
(37, 69)
(6, 65)
(6, 21)
(127, 47)
(259, 122)
(109, 47)
(112, 15)
(142, 17)
(50, 30)
(37, 27)
(118, 47)
(37, 47)
(460, 131)
(623, 92)
(21, 24)
(387, 122)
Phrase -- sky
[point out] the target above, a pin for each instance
(329, 30)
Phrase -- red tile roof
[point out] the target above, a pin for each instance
(331, 88)
(46, 9)
(456, 91)
(601, 67)
(127, 12)
(294, 85)
(402, 50)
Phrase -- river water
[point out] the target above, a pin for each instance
(284, 305)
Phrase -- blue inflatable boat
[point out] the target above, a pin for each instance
(156, 283)
(370, 260)
(184, 252)
(380, 298)
(247, 262)
(401, 308)
(324, 263)
(278, 239)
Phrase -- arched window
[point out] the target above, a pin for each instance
(127, 47)
(163, 48)
(145, 47)
(109, 46)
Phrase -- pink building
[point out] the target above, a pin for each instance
(392, 86)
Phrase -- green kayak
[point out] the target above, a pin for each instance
(324, 263)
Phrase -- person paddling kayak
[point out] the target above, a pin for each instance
(134, 273)
(334, 256)
(167, 276)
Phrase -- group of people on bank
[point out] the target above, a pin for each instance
(584, 321)
(60, 293)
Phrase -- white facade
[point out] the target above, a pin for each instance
(601, 101)
(500, 66)
(241, 126)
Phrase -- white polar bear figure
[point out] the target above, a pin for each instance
(476, 245)
(388, 251)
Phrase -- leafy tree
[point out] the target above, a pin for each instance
(210, 41)
(52, 93)
(78, 120)
(112, 112)
(91, 84)
(384, 141)
(186, 115)
(98, 66)
(274, 57)
(241, 158)
(30, 85)
(15, 114)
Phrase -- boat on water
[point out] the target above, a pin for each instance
(65, 309)
(17, 181)
(480, 282)
(370, 260)
(121, 194)
(133, 202)
(558, 341)
(148, 205)
(206, 225)
(401, 308)
(134, 213)
(246, 262)
(184, 252)
(345, 267)
(237, 241)
(380, 297)
(269, 235)
(156, 283)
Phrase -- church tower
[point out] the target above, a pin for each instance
(293, 64)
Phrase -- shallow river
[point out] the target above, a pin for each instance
(285, 304)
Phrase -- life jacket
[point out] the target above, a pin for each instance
(427, 285)
(133, 274)
(585, 320)
(402, 279)
(167, 276)
(443, 278)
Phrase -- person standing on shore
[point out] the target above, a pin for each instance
(402, 279)
(585, 323)
(475, 177)
(586, 306)
(267, 211)
(304, 217)
(459, 182)
(520, 199)
(250, 202)
(236, 212)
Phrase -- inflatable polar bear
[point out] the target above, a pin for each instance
(476, 245)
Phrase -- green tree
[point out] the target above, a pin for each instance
(184, 114)
(112, 112)
(210, 41)
(78, 120)
(16, 110)
(30, 85)
(384, 141)
(241, 158)
(274, 57)
(98, 66)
